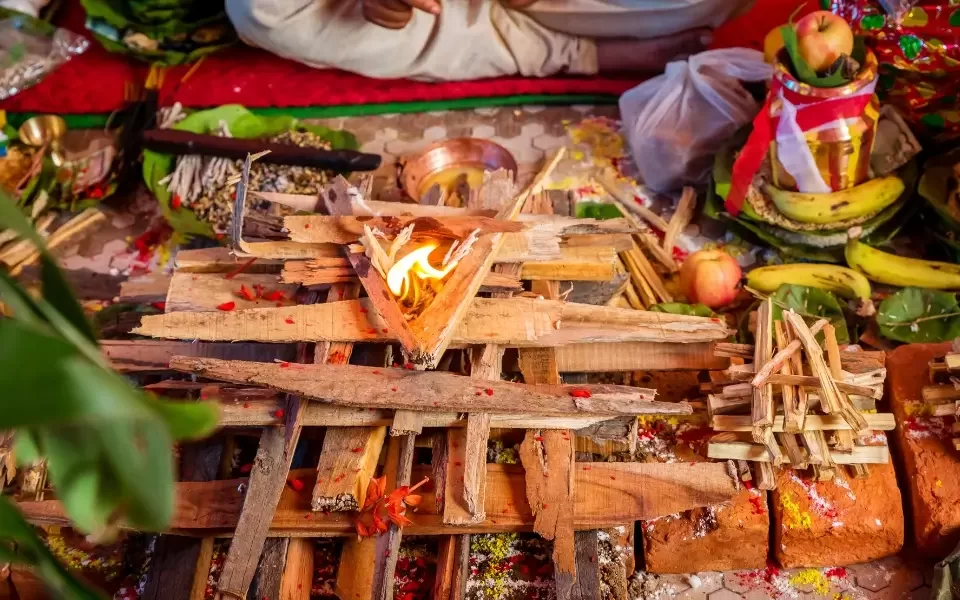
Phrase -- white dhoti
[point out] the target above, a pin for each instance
(470, 39)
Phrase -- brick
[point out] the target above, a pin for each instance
(733, 535)
(929, 462)
(839, 522)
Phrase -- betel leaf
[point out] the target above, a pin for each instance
(679, 308)
(597, 210)
(919, 315)
(812, 304)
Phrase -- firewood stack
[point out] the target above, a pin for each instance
(305, 332)
(797, 403)
(942, 396)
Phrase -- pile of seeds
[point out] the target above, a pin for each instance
(216, 206)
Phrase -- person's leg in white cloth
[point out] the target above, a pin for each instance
(472, 39)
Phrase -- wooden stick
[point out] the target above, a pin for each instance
(621, 199)
(787, 392)
(796, 455)
(759, 453)
(680, 219)
(766, 478)
(782, 356)
(453, 562)
(198, 588)
(511, 322)
(881, 421)
(761, 407)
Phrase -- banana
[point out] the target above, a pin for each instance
(841, 281)
(891, 269)
(865, 199)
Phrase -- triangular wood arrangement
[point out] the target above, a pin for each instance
(795, 397)
(942, 395)
(281, 356)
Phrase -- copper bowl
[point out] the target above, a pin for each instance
(449, 154)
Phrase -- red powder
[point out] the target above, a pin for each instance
(581, 393)
(758, 507)
(278, 413)
(288, 321)
(488, 391)
(836, 572)
(227, 306)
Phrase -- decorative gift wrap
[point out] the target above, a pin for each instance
(819, 139)
(837, 153)
(919, 55)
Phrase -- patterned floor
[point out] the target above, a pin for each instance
(529, 132)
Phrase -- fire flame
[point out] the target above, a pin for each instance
(400, 277)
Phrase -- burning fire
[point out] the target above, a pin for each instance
(411, 279)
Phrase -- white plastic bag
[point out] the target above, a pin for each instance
(676, 122)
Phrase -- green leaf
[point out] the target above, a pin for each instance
(597, 210)
(805, 73)
(679, 308)
(242, 124)
(812, 304)
(919, 315)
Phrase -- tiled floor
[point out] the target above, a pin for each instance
(530, 132)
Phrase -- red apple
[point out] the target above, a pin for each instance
(821, 38)
(711, 277)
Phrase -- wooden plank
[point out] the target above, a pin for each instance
(574, 264)
(548, 461)
(297, 579)
(354, 577)
(587, 550)
(309, 272)
(510, 322)
(766, 477)
(172, 571)
(455, 509)
(267, 580)
(348, 229)
(406, 422)
(347, 463)
(130, 356)
(637, 356)
(388, 544)
(881, 421)
(206, 291)
(607, 494)
(351, 385)
(250, 411)
(267, 480)
(198, 589)
(452, 568)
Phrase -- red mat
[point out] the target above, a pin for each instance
(94, 82)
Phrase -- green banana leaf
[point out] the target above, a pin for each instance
(803, 71)
(242, 124)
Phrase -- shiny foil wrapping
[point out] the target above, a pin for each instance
(841, 150)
